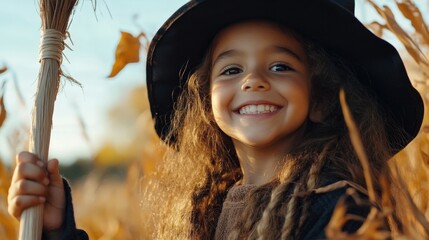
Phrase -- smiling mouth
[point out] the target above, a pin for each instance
(258, 109)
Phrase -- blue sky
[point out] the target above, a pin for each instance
(95, 36)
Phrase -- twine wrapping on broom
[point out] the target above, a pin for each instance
(51, 45)
(55, 20)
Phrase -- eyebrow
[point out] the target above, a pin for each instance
(288, 51)
(225, 55)
(281, 49)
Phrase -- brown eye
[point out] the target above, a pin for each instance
(231, 71)
(280, 68)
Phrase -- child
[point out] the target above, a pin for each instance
(245, 93)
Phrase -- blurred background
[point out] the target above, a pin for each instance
(95, 32)
(102, 130)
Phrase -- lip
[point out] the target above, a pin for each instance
(258, 102)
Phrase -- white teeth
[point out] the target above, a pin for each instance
(258, 109)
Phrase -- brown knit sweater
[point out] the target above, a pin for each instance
(320, 212)
(231, 210)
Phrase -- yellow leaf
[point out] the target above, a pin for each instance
(3, 112)
(127, 51)
(410, 11)
(391, 23)
(377, 28)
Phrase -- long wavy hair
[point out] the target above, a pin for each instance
(202, 165)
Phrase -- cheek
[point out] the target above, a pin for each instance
(302, 102)
(216, 109)
(302, 97)
(298, 97)
(295, 89)
(217, 104)
(221, 98)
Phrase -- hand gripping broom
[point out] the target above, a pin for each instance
(55, 15)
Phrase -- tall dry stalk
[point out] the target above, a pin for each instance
(410, 167)
(55, 20)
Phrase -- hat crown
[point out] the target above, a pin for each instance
(180, 44)
(347, 4)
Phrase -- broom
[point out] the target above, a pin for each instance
(55, 16)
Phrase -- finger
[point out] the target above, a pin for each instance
(27, 157)
(29, 171)
(54, 173)
(20, 203)
(26, 187)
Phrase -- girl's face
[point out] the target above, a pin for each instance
(260, 84)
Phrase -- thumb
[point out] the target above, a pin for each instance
(54, 173)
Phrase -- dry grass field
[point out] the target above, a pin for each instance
(112, 208)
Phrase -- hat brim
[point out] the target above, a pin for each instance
(181, 43)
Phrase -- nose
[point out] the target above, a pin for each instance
(255, 83)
